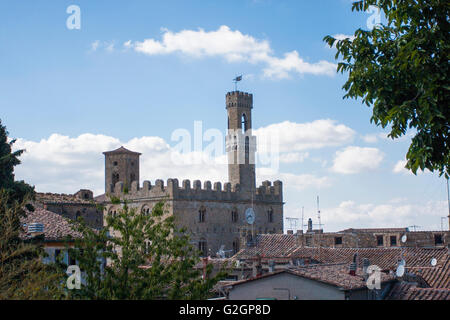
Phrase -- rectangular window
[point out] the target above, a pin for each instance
(338, 240)
(438, 239)
(393, 241)
(379, 240)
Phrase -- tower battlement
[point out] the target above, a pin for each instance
(239, 99)
(209, 192)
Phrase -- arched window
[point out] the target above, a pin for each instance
(201, 214)
(270, 215)
(234, 215)
(244, 123)
(132, 177)
(145, 210)
(235, 246)
(115, 179)
(203, 247)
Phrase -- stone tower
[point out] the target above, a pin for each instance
(240, 143)
(121, 165)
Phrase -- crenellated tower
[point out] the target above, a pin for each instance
(240, 143)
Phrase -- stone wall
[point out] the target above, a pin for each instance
(218, 228)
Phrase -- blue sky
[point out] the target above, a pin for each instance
(138, 70)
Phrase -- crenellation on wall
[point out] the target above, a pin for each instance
(230, 192)
(134, 187)
(147, 185)
(217, 186)
(197, 185)
(186, 184)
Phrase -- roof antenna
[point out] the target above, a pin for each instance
(318, 213)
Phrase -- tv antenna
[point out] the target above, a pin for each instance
(415, 227)
(318, 214)
(303, 213)
(292, 222)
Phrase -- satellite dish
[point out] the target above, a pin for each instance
(404, 238)
(402, 262)
(250, 215)
(433, 262)
(400, 271)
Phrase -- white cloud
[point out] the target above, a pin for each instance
(371, 138)
(107, 45)
(356, 159)
(65, 164)
(395, 213)
(293, 182)
(293, 136)
(95, 45)
(400, 167)
(233, 46)
(293, 157)
(339, 37)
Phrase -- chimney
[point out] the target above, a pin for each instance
(352, 269)
(310, 225)
(353, 265)
(257, 268)
(290, 232)
(366, 264)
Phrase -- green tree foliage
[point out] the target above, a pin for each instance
(17, 190)
(401, 69)
(130, 241)
(22, 273)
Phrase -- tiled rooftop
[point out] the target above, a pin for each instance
(332, 274)
(56, 227)
(60, 198)
(270, 245)
(283, 247)
(406, 291)
(336, 274)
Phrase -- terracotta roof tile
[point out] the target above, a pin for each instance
(407, 291)
(270, 245)
(56, 227)
(332, 274)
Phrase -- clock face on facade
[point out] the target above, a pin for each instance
(250, 215)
